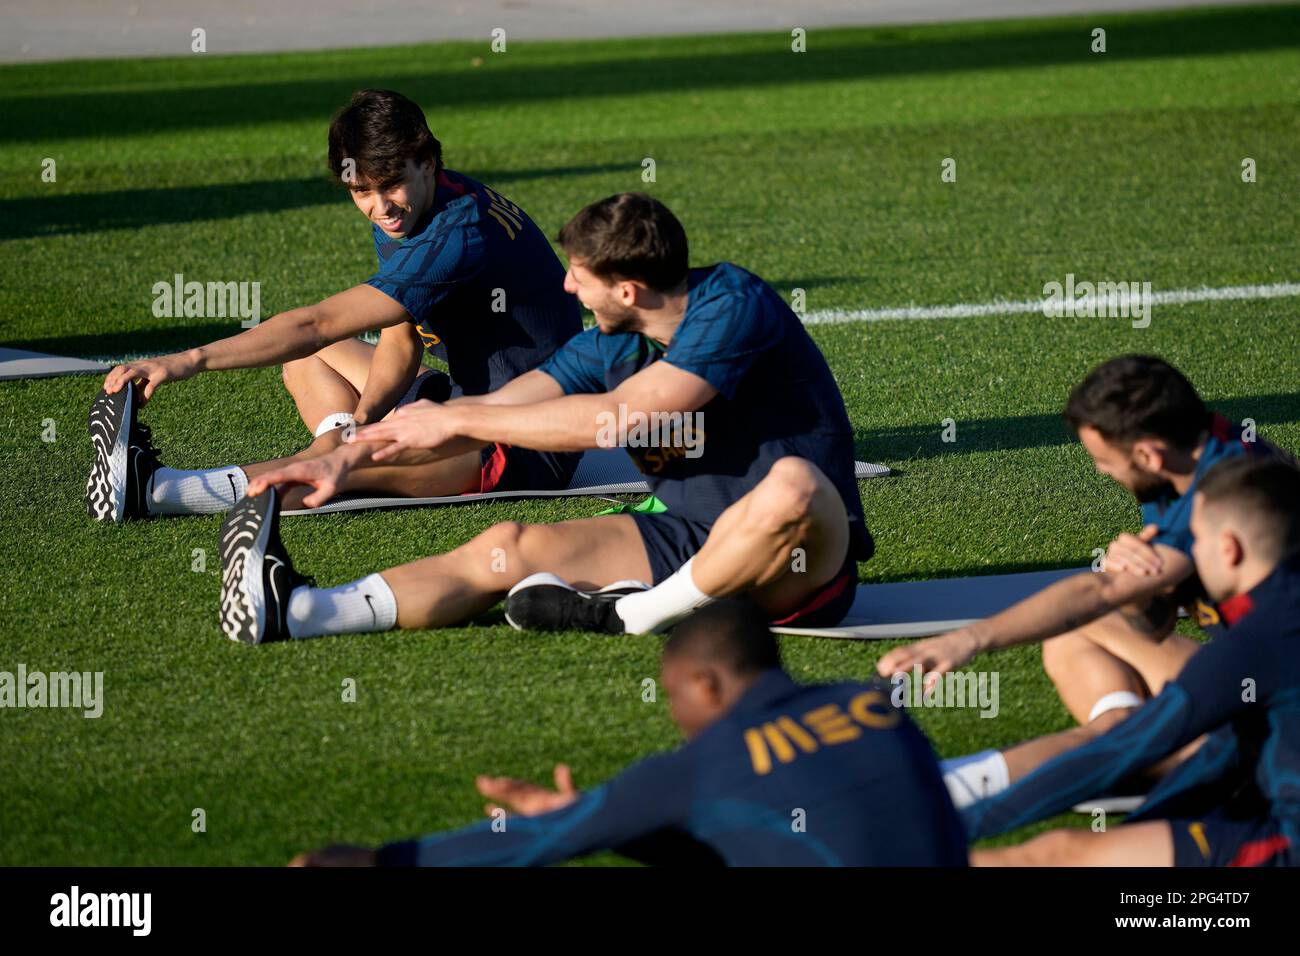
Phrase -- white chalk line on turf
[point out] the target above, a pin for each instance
(970, 310)
(965, 310)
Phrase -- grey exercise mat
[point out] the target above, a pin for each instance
(911, 609)
(17, 363)
(602, 471)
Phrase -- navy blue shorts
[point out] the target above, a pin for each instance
(1220, 841)
(670, 541)
(503, 467)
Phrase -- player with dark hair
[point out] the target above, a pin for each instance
(1236, 801)
(463, 273)
(1108, 641)
(772, 774)
(732, 415)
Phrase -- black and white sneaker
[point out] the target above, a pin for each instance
(257, 575)
(544, 602)
(125, 459)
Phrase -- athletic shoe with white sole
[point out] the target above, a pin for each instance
(125, 459)
(544, 602)
(257, 575)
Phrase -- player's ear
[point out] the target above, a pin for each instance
(1234, 552)
(1148, 455)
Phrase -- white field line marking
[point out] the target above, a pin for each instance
(965, 310)
(969, 310)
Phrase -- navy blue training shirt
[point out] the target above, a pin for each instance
(481, 284)
(777, 397)
(825, 775)
(1242, 689)
(1171, 513)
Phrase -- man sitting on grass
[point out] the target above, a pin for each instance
(1108, 637)
(772, 774)
(754, 486)
(463, 273)
(1236, 801)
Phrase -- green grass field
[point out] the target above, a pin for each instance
(818, 171)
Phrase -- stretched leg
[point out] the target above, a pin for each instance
(1132, 844)
(453, 587)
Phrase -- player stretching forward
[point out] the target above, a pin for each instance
(773, 774)
(756, 493)
(1236, 801)
(463, 273)
(1108, 636)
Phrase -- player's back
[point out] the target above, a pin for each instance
(821, 775)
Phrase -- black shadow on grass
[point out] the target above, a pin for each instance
(164, 338)
(40, 216)
(913, 442)
(1011, 567)
(880, 52)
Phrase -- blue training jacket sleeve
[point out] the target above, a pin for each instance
(1206, 694)
(648, 796)
(577, 365)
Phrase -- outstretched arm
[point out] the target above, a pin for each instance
(281, 338)
(1063, 606)
(570, 423)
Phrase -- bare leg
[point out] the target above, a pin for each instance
(782, 541)
(451, 588)
(1101, 658)
(1131, 844)
(329, 381)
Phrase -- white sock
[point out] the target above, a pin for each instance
(174, 491)
(1114, 701)
(364, 605)
(976, 777)
(664, 604)
(333, 421)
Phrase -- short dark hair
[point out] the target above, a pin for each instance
(1264, 490)
(1138, 396)
(629, 236)
(732, 633)
(379, 130)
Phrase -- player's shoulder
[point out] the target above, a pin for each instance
(723, 281)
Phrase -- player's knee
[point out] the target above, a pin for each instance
(1058, 657)
(786, 495)
(294, 374)
(498, 556)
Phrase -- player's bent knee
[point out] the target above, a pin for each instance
(294, 374)
(786, 495)
(1059, 655)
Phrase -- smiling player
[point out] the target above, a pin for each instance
(463, 273)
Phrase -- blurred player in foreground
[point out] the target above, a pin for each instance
(773, 774)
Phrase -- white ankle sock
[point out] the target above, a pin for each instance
(364, 605)
(1117, 700)
(975, 777)
(333, 421)
(664, 604)
(173, 491)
